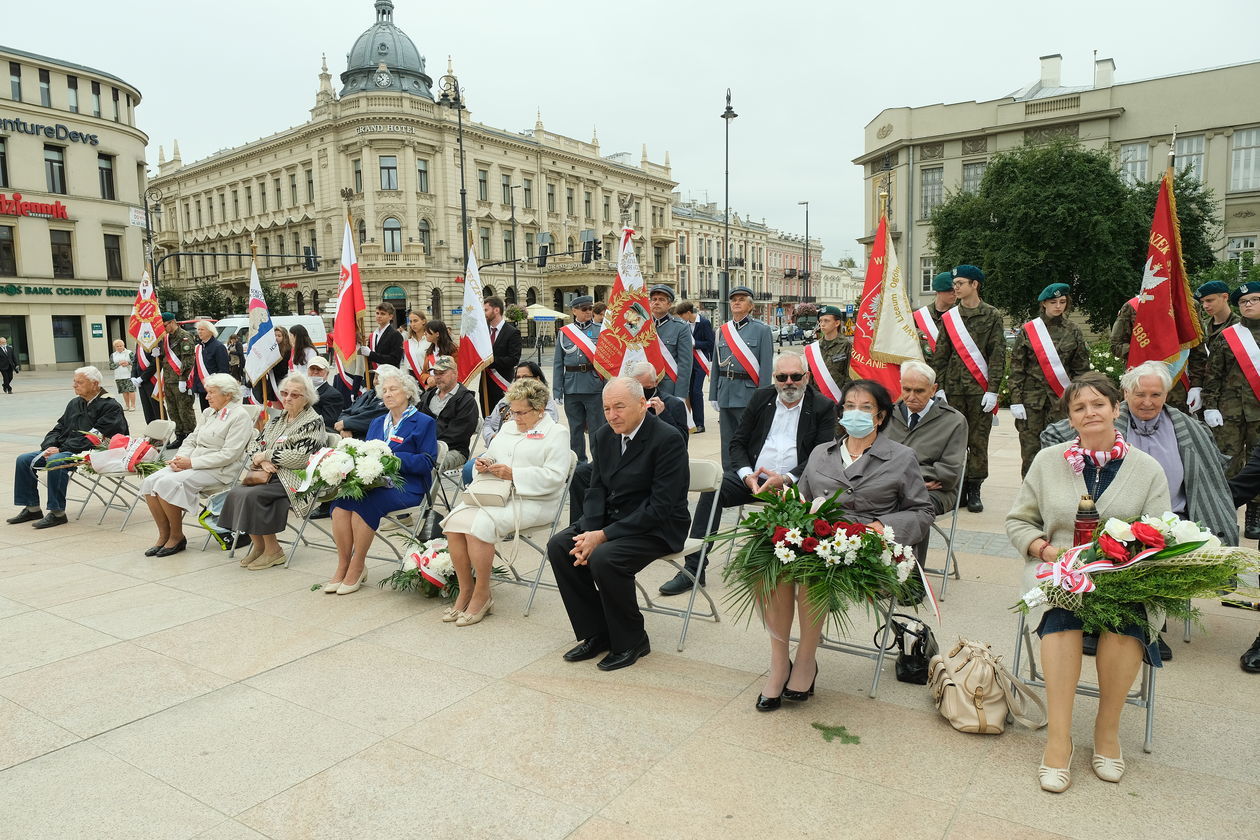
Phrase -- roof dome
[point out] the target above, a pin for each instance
(385, 59)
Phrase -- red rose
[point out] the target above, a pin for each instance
(822, 528)
(809, 544)
(779, 533)
(1148, 534)
(1112, 548)
(851, 529)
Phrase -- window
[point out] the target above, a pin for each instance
(236, 205)
(527, 193)
(96, 99)
(393, 236)
(116, 114)
(682, 249)
(506, 184)
(637, 207)
(62, 256)
(1190, 153)
(105, 173)
(485, 243)
(426, 239)
(973, 173)
(199, 221)
(8, 254)
(607, 209)
(362, 231)
(931, 190)
(15, 81)
(483, 184)
(927, 270)
(1244, 164)
(314, 244)
(529, 246)
(4, 164)
(568, 201)
(113, 257)
(1242, 251)
(586, 204)
(262, 197)
(249, 201)
(509, 246)
(658, 258)
(389, 172)
(72, 93)
(310, 186)
(357, 167)
(222, 207)
(275, 189)
(293, 200)
(422, 175)
(45, 89)
(1133, 160)
(55, 169)
(551, 198)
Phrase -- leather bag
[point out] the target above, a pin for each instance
(487, 491)
(254, 477)
(973, 690)
(912, 664)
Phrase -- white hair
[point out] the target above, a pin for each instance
(640, 368)
(389, 373)
(918, 369)
(90, 372)
(788, 354)
(1129, 381)
(224, 384)
(304, 382)
(631, 385)
(204, 323)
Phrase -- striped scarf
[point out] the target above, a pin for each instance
(1076, 454)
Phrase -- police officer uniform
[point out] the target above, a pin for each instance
(575, 382)
(179, 403)
(675, 336)
(732, 386)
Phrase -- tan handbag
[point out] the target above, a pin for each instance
(975, 693)
(487, 491)
(254, 477)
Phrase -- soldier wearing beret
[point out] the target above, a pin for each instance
(675, 336)
(1213, 298)
(833, 348)
(980, 347)
(1231, 406)
(175, 354)
(742, 363)
(928, 318)
(575, 384)
(1049, 353)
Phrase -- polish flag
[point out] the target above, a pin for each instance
(351, 314)
(475, 351)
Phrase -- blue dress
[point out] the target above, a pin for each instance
(415, 443)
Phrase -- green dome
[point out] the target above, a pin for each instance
(384, 43)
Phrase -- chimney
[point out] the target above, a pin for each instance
(1104, 72)
(1051, 67)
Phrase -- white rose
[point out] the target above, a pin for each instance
(369, 468)
(1185, 532)
(1118, 529)
(888, 534)
(1212, 540)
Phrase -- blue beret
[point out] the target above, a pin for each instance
(739, 290)
(1245, 289)
(943, 282)
(581, 300)
(1053, 291)
(968, 272)
(833, 311)
(662, 289)
(1214, 287)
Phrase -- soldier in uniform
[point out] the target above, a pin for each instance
(928, 318)
(1231, 408)
(833, 345)
(675, 336)
(1213, 298)
(977, 401)
(1035, 403)
(574, 381)
(1178, 397)
(733, 383)
(179, 400)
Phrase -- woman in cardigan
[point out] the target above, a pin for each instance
(533, 453)
(285, 445)
(209, 457)
(1125, 483)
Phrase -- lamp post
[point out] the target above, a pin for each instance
(453, 97)
(151, 198)
(806, 277)
(724, 306)
(512, 196)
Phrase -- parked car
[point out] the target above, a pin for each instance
(240, 324)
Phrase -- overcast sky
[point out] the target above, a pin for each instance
(806, 77)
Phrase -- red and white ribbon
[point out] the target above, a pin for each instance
(967, 349)
(741, 352)
(199, 371)
(821, 375)
(671, 364)
(927, 325)
(176, 364)
(1064, 574)
(416, 370)
(581, 341)
(702, 361)
(1047, 356)
(497, 379)
(1243, 343)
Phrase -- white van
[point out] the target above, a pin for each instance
(240, 324)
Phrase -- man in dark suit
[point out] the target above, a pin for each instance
(385, 344)
(702, 341)
(331, 402)
(779, 429)
(209, 357)
(635, 512)
(8, 364)
(505, 346)
(145, 369)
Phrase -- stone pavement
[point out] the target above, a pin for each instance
(187, 697)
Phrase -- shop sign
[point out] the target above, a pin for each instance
(69, 291)
(138, 218)
(18, 206)
(98, 331)
(57, 131)
(394, 293)
(385, 129)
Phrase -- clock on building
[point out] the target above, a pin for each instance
(383, 78)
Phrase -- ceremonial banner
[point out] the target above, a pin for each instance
(351, 313)
(146, 318)
(629, 333)
(263, 350)
(862, 361)
(475, 350)
(896, 336)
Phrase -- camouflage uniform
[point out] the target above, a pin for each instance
(940, 328)
(179, 406)
(1198, 364)
(1030, 389)
(1122, 332)
(835, 355)
(1226, 390)
(984, 323)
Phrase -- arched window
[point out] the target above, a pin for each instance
(301, 304)
(435, 305)
(315, 302)
(510, 295)
(570, 248)
(362, 231)
(531, 296)
(392, 236)
(425, 240)
(487, 291)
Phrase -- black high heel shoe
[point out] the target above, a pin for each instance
(769, 704)
(801, 696)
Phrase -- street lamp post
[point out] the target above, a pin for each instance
(453, 97)
(805, 280)
(512, 196)
(151, 198)
(724, 306)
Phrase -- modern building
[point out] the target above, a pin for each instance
(72, 175)
(919, 154)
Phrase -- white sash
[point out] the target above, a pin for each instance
(969, 351)
(1047, 355)
(822, 376)
(927, 325)
(740, 350)
(580, 340)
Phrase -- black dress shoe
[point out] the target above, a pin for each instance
(1165, 652)
(323, 512)
(152, 551)
(587, 649)
(52, 520)
(625, 658)
(678, 584)
(175, 549)
(801, 696)
(1089, 644)
(1250, 660)
(25, 516)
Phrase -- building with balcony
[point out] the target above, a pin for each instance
(700, 230)
(72, 173)
(792, 269)
(919, 154)
(840, 285)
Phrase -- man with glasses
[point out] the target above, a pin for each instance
(1231, 402)
(970, 360)
(780, 427)
(454, 408)
(575, 384)
(742, 361)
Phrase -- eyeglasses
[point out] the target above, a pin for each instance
(287, 394)
(527, 411)
(958, 284)
(1247, 301)
(585, 308)
(784, 377)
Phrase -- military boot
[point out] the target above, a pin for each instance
(973, 497)
(1252, 528)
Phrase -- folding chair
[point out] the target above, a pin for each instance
(1143, 696)
(951, 562)
(739, 517)
(454, 479)
(157, 432)
(875, 652)
(706, 477)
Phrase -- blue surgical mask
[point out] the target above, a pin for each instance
(857, 423)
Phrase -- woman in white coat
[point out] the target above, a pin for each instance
(533, 454)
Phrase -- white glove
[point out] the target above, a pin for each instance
(714, 405)
(364, 350)
(1213, 417)
(1194, 399)
(1017, 411)
(988, 402)
(135, 380)
(183, 387)
(940, 395)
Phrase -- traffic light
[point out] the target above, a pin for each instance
(587, 250)
(542, 255)
(597, 250)
(310, 260)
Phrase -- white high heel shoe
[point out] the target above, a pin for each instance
(1108, 769)
(346, 590)
(1056, 779)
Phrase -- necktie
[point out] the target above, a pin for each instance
(494, 332)
(625, 441)
(914, 420)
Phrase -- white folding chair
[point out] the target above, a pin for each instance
(1143, 696)
(951, 562)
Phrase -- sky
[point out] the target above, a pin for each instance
(805, 77)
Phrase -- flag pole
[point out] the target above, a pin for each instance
(1172, 153)
(253, 257)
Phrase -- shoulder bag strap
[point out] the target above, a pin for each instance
(1016, 696)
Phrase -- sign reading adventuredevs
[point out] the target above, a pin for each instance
(17, 207)
(56, 131)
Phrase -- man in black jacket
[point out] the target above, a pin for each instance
(779, 429)
(91, 410)
(209, 357)
(1244, 487)
(505, 346)
(702, 337)
(145, 370)
(635, 512)
(385, 344)
(454, 408)
(358, 416)
(331, 402)
(8, 364)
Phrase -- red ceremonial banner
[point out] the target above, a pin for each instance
(629, 332)
(861, 364)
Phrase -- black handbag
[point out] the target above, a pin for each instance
(912, 664)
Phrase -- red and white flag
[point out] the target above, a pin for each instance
(349, 318)
(874, 356)
(476, 352)
(146, 319)
(629, 333)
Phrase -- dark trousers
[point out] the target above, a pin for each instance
(577, 491)
(599, 596)
(696, 396)
(729, 419)
(7, 373)
(585, 413)
(147, 404)
(734, 492)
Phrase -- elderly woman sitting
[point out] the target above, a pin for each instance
(260, 506)
(412, 436)
(209, 457)
(532, 452)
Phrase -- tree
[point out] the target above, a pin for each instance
(1196, 215)
(210, 301)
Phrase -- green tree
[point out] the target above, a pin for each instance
(209, 300)
(1196, 216)
(170, 300)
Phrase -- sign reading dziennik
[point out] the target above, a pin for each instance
(18, 206)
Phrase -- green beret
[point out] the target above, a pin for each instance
(968, 272)
(1053, 291)
(943, 282)
(834, 311)
(168, 317)
(1214, 287)
(1245, 289)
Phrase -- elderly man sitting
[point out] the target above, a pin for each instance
(91, 410)
(454, 408)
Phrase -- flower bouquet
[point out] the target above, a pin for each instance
(1150, 564)
(119, 454)
(427, 570)
(350, 470)
(840, 563)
